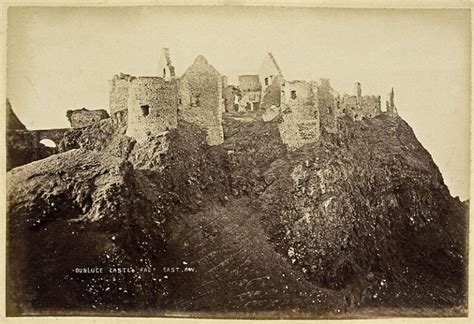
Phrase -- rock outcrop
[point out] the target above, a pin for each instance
(72, 214)
(247, 228)
(13, 122)
(368, 212)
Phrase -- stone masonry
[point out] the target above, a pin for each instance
(200, 99)
(152, 107)
(119, 88)
(250, 90)
(303, 109)
(300, 115)
(85, 117)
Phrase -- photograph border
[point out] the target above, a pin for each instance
(381, 4)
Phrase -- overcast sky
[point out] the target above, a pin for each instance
(62, 58)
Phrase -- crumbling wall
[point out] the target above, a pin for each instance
(153, 105)
(272, 95)
(300, 122)
(327, 105)
(118, 94)
(390, 104)
(231, 96)
(347, 105)
(165, 68)
(371, 106)
(269, 70)
(250, 100)
(200, 99)
(250, 91)
(368, 107)
(85, 117)
(358, 107)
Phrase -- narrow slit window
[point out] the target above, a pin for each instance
(293, 94)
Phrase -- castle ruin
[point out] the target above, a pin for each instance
(150, 106)
(303, 109)
(156, 104)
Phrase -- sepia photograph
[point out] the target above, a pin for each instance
(237, 161)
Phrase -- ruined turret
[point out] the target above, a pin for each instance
(358, 92)
(200, 99)
(390, 103)
(165, 68)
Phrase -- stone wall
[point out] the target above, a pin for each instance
(165, 68)
(250, 92)
(200, 99)
(366, 107)
(371, 106)
(152, 107)
(300, 122)
(249, 100)
(85, 117)
(118, 93)
(24, 146)
(327, 105)
(268, 71)
(272, 94)
(347, 105)
(231, 95)
(390, 104)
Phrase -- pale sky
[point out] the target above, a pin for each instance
(62, 58)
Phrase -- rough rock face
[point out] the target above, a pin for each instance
(248, 228)
(13, 123)
(368, 212)
(82, 210)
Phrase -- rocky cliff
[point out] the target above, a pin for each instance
(359, 220)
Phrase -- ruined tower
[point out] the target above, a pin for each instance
(390, 103)
(165, 68)
(300, 115)
(200, 99)
(327, 105)
(152, 107)
(119, 88)
(358, 92)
